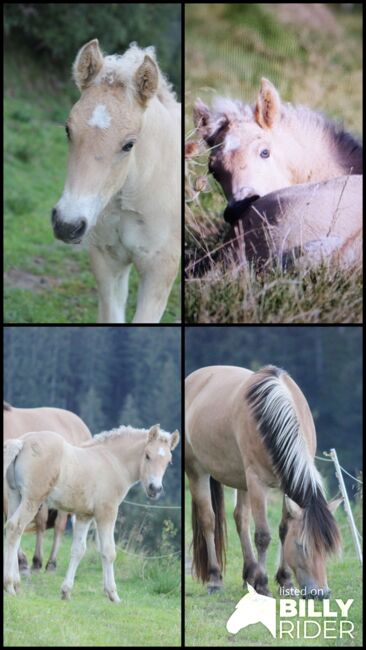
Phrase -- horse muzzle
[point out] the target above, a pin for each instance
(153, 491)
(236, 209)
(70, 233)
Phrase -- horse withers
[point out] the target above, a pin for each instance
(17, 422)
(122, 191)
(257, 151)
(252, 431)
(90, 481)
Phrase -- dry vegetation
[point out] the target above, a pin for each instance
(314, 60)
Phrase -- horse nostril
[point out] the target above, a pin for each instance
(80, 229)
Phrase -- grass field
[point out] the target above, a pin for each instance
(313, 58)
(149, 613)
(46, 281)
(206, 615)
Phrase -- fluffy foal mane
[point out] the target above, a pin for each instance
(123, 431)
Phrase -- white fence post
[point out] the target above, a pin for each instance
(347, 506)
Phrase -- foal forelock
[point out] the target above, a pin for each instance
(272, 405)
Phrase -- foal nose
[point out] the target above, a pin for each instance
(154, 490)
(67, 232)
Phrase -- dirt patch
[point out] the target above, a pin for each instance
(17, 279)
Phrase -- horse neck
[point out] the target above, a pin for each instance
(311, 156)
(127, 450)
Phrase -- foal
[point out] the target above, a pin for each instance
(122, 191)
(90, 481)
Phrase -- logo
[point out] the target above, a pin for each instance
(330, 623)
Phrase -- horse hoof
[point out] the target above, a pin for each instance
(51, 566)
(65, 594)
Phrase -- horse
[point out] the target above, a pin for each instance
(253, 431)
(122, 191)
(320, 222)
(258, 151)
(90, 481)
(18, 421)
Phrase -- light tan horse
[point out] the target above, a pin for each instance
(90, 481)
(255, 151)
(17, 422)
(122, 191)
(251, 431)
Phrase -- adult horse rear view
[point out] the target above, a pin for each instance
(252, 431)
(17, 422)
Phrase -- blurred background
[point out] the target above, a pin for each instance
(326, 363)
(46, 281)
(109, 376)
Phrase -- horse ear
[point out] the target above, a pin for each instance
(153, 432)
(146, 79)
(174, 439)
(88, 63)
(333, 505)
(268, 107)
(292, 508)
(202, 119)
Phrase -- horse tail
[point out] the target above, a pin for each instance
(11, 451)
(281, 429)
(200, 557)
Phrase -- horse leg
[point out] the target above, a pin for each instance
(60, 525)
(23, 510)
(108, 553)
(203, 517)
(262, 537)
(41, 523)
(156, 281)
(283, 575)
(112, 281)
(78, 549)
(242, 521)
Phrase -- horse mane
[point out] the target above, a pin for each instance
(123, 431)
(7, 406)
(273, 409)
(120, 69)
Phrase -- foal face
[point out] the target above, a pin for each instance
(102, 129)
(246, 162)
(156, 457)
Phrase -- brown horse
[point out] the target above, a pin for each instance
(90, 481)
(251, 431)
(20, 421)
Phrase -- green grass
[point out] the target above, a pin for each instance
(149, 612)
(228, 49)
(206, 615)
(46, 281)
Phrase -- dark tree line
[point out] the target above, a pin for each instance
(60, 29)
(109, 376)
(326, 362)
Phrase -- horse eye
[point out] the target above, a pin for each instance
(128, 146)
(264, 153)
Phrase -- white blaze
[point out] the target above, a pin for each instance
(100, 118)
(161, 452)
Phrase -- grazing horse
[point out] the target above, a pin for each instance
(19, 421)
(251, 431)
(256, 151)
(122, 191)
(90, 481)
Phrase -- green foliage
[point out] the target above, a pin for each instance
(60, 30)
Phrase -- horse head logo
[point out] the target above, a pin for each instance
(253, 608)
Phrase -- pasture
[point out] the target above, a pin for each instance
(312, 61)
(46, 281)
(206, 615)
(149, 612)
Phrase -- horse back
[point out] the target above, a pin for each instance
(18, 421)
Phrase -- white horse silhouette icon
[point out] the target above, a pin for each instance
(253, 608)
